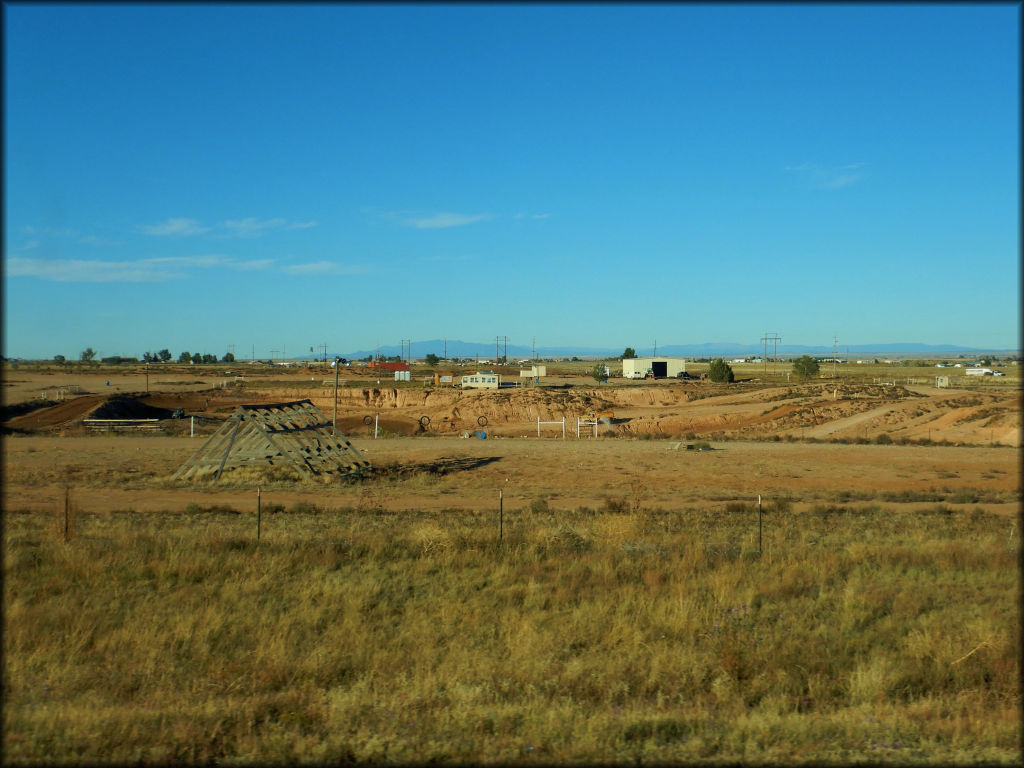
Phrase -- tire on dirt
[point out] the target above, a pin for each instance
(424, 421)
(482, 421)
(367, 420)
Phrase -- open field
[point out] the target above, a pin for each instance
(865, 632)
(617, 610)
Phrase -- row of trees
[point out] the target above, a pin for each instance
(197, 358)
(88, 355)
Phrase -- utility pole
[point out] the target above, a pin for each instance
(775, 339)
(835, 340)
(337, 369)
(444, 349)
(533, 350)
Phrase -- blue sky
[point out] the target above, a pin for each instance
(279, 177)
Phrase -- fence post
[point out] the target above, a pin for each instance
(501, 515)
(67, 514)
(259, 511)
(759, 523)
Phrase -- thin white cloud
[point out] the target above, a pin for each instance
(251, 227)
(247, 227)
(446, 220)
(178, 227)
(85, 271)
(151, 270)
(49, 231)
(826, 177)
(843, 180)
(188, 261)
(93, 240)
(324, 268)
(254, 264)
(208, 261)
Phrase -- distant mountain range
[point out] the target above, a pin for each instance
(487, 351)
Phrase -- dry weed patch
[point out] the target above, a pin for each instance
(860, 633)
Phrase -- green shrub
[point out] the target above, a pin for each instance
(720, 371)
(805, 367)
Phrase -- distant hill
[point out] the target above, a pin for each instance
(486, 350)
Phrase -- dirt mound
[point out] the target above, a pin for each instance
(127, 407)
(55, 415)
(20, 409)
(69, 412)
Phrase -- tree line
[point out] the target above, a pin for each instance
(88, 355)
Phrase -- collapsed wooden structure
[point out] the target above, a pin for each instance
(294, 435)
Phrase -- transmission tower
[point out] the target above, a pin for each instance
(775, 339)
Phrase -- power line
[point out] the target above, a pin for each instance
(775, 339)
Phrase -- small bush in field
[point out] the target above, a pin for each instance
(720, 371)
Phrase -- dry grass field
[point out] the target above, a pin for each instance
(622, 602)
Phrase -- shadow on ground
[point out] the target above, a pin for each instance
(439, 467)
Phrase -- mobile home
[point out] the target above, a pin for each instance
(480, 380)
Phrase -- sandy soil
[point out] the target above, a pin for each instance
(118, 472)
(423, 459)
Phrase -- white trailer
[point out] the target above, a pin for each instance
(978, 372)
(481, 380)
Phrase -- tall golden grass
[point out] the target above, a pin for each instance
(860, 633)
